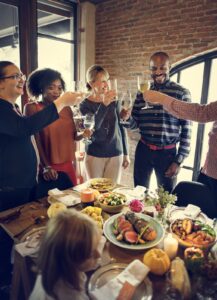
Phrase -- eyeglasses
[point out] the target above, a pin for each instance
(15, 77)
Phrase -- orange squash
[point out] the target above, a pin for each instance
(157, 260)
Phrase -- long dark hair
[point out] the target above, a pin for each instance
(4, 64)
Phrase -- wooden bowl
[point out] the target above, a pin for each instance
(112, 209)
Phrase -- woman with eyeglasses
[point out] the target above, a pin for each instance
(18, 151)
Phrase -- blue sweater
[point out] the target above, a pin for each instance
(109, 138)
(18, 162)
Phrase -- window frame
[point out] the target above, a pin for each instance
(207, 59)
(28, 30)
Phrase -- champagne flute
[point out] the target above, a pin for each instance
(113, 86)
(144, 85)
(89, 123)
(126, 103)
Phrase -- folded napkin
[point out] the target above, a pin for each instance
(55, 192)
(69, 200)
(192, 211)
(81, 187)
(132, 276)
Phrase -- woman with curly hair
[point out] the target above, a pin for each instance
(56, 142)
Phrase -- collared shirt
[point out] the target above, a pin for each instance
(157, 126)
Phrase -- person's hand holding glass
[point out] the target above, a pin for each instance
(89, 123)
(144, 85)
(127, 104)
(80, 86)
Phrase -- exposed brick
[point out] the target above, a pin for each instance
(128, 32)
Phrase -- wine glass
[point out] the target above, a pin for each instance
(126, 103)
(113, 86)
(89, 123)
(144, 85)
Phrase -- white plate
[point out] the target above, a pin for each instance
(70, 198)
(108, 272)
(108, 232)
(130, 193)
(179, 213)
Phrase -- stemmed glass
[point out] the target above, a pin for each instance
(89, 123)
(144, 85)
(113, 86)
(126, 103)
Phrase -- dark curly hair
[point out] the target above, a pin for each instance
(41, 79)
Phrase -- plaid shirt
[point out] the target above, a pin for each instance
(157, 126)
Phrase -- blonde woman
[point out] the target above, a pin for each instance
(69, 248)
(108, 152)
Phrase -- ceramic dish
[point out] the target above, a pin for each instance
(108, 202)
(130, 193)
(102, 184)
(108, 272)
(197, 240)
(108, 232)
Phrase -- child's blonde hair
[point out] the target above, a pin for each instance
(67, 243)
(92, 73)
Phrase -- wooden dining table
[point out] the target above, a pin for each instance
(24, 272)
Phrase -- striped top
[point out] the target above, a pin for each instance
(202, 114)
(160, 128)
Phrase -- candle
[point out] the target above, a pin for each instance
(170, 246)
(87, 196)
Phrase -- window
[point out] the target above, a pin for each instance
(9, 35)
(56, 41)
(199, 76)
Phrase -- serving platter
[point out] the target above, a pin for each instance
(108, 232)
(102, 184)
(106, 273)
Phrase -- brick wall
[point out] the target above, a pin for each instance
(128, 32)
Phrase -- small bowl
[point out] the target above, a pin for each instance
(113, 209)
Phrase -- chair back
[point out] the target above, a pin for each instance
(192, 192)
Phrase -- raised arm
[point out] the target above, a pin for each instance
(184, 110)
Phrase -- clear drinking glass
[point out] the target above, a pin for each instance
(126, 103)
(144, 85)
(89, 123)
(113, 86)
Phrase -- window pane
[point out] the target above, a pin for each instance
(9, 36)
(174, 77)
(188, 78)
(55, 25)
(57, 55)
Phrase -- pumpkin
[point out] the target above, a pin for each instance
(194, 258)
(55, 208)
(157, 260)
